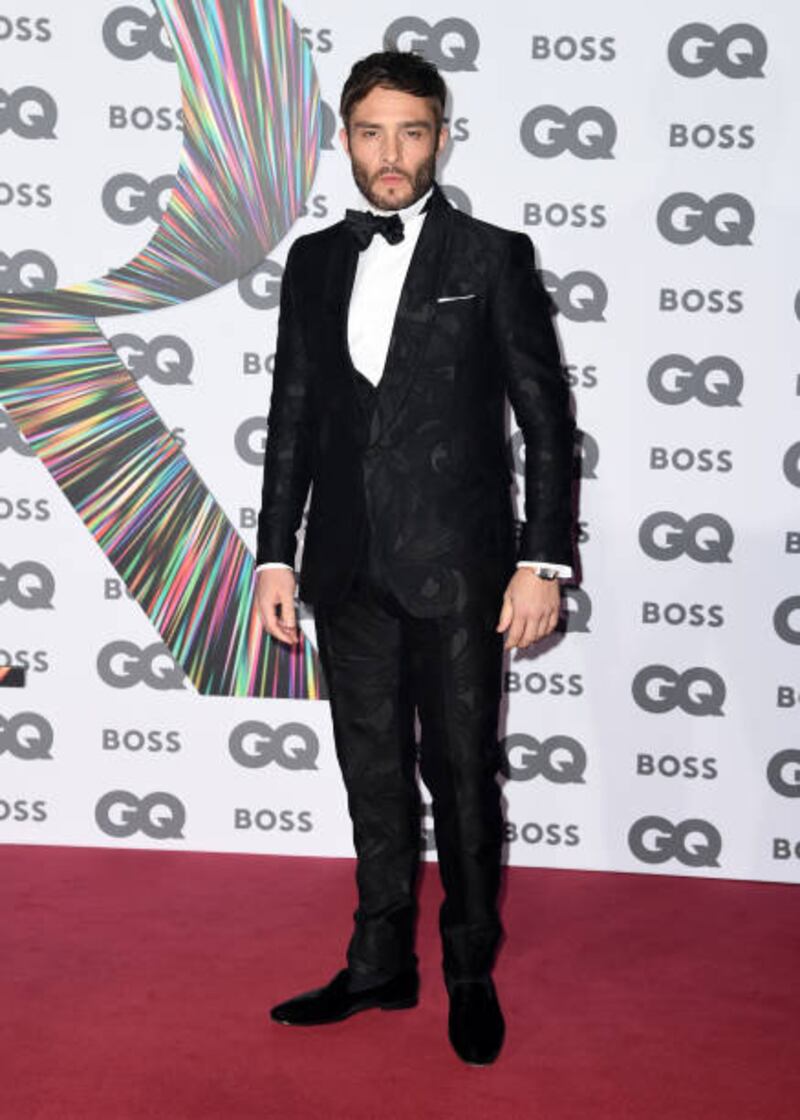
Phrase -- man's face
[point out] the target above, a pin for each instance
(393, 146)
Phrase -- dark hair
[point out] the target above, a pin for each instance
(403, 70)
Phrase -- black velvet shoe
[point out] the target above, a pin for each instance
(475, 1025)
(335, 1001)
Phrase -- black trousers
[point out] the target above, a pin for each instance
(383, 665)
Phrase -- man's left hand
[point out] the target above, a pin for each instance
(530, 608)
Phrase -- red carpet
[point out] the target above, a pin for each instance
(136, 984)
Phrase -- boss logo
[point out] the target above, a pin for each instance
(726, 219)
(559, 759)
(565, 48)
(165, 359)
(26, 195)
(250, 440)
(24, 509)
(548, 131)
(143, 118)
(577, 611)
(11, 438)
(706, 537)
(327, 126)
(738, 51)
(293, 746)
(23, 810)
(458, 198)
(26, 271)
(705, 136)
(705, 459)
(715, 301)
(261, 288)
(580, 296)
(134, 740)
(451, 44)
(539, 684)
(36, 660)
(791, 464)
(25, 29)
(670, 766)
(531, 832)
(786, 620)
(29, 112)
(27, 585)
(26, 735)
(130, 33)
(783, 773)
(579, 215)
(128, 198)
(253, 363)
(270, 820)
(681, 614)
(715, 381)
(121, 814)
(697, 691)
(320, 40)
(123, 664)
(693, 842)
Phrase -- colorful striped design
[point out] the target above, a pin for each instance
(251, 144)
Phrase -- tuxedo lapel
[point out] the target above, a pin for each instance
(415, 310)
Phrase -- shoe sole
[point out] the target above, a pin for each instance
(395, 1005)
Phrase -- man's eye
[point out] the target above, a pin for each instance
(414, 133)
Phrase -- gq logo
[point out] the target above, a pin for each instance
(715, 381)
(27, 271)
(27, 585)
(11, 438)
(738, 51)
(29, 112)
(451, 44)
(261, 288)
(559, 759)
(165, 359)
(693, 842)
(580, 296)
(726, 219)
(121, 814)
(128, 198)
(588, 133)
(130, 34)
(782, 620)
(123, 664)
(587, 455)
(697, 691)
(250, 440)
(706, 537)
(577, 611)
(293, 746)
(26, 735)
(783, 773)
(791, 464)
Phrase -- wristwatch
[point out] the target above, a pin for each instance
(546, 573)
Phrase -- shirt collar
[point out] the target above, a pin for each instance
(407, 212)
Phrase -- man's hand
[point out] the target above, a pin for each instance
(530, 608)
(275, 603)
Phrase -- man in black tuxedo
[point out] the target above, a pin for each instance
(401, 331)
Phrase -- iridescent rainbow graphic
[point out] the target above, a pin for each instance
(252, 114)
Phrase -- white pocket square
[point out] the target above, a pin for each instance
(449, 299)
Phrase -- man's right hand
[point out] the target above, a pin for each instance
(275, 603)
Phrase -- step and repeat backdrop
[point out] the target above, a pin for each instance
(650, 153)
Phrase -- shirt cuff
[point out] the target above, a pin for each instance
(274, 564)
(563, 571)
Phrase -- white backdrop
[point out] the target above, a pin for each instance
(650, 154)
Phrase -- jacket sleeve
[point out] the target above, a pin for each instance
(287, 457)
(526, 351)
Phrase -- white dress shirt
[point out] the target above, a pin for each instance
(380, 273)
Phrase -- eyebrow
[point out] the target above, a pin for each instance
(403, 124)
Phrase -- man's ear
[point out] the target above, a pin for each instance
(444, 136)
(345, 139)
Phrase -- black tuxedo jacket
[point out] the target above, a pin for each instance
(430, 472)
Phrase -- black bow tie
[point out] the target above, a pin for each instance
(364, 225)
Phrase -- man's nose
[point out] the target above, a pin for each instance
(391, 149)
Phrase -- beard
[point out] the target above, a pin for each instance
(419, 182)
